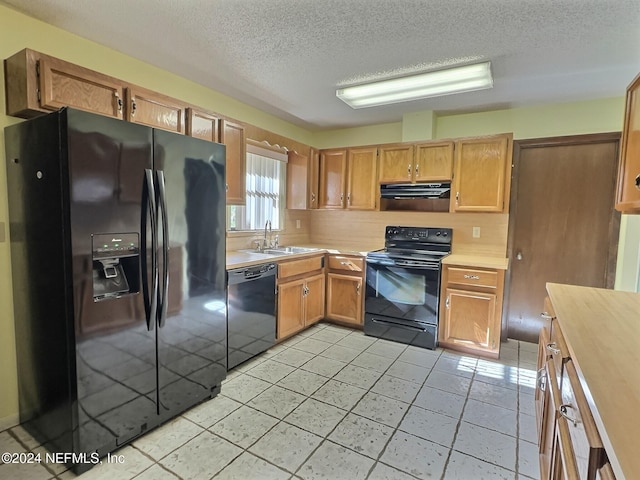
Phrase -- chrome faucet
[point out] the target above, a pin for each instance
(264, 242)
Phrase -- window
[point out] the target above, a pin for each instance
(265, 184)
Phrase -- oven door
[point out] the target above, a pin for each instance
(403, 290)
(401, 301)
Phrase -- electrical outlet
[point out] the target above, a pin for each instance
(476, 232)
(297, 223)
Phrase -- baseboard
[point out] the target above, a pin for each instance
(8, 422)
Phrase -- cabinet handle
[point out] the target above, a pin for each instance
(446, 303)
(358, 288)
(552, 348)
(118, 101)
(133, 106)
(313, 197)
(341, 199)
(457, 197)
(409, 170)
(564, 411)
(546, 316)
(349, 199)
(417, 170)
(472, 277)
(638, 181)
(541, 379)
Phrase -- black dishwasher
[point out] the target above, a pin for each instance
(251, 303)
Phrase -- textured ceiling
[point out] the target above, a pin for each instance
(287, 57)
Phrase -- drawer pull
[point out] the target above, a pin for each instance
(552, 348)
(546, 316)
(344, 263)
(564, 409)
(541, 379)
(472, 277)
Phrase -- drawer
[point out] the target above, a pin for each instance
(557, 347)
(293, 268)
(468, 276)
(587, 445)
(342, 262)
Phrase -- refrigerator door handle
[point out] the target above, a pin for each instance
(164, 287)
(148, 210)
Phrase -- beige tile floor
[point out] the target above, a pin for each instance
(332, 403)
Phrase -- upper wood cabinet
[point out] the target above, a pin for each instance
(482, 174)
(203, 125)
(297, 178)
(302, 180)
(396, 163)
(37, 84)
(233, 137)
(362, 187)
(155, 110)
(209, 126)
(433, 161)
(628, 195)
(348, 179)
(313, 193)
(416, 162)
(333, 177)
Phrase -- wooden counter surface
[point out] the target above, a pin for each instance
(602, 330)
(500, 263)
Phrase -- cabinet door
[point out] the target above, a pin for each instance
(480, 174)
(344, 298)
(396, 163)
(314, 299)
(586, 443)
(233, 137)
(551, 401)
(333, 175)
(470, 320)
(433, 162)
(363, 190)
(203, 125)
(313, 181)
(155, 110)
(290, 308)
(297, 177)
(63, 84)
(628, 197)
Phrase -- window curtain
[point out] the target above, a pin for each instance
(265, 180)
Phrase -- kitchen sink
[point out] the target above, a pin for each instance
(291, 250)
(281, 250)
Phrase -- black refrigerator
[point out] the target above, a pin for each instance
(118, 261)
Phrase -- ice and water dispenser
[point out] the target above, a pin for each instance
(116, 265)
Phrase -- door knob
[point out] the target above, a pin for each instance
(519, 256)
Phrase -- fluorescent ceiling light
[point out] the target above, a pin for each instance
(424, 85)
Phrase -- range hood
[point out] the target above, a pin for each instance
(406, 191)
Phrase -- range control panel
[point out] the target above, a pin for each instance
(418, 234)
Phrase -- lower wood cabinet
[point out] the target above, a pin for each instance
(301, 295)
(345, 294)
(570, 445)
(471, 309)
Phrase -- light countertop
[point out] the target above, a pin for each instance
(602, 330)
(239, 259)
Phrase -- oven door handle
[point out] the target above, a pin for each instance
(405, 265)
(401, 325)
